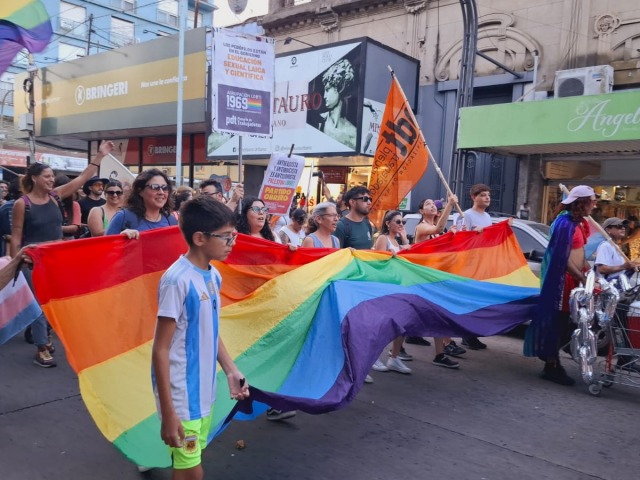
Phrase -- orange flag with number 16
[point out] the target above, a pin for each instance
(401, 156)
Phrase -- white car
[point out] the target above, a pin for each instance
(533, 237)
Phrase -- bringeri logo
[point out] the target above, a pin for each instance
(79, 95)
(161, 150)
(84, 94)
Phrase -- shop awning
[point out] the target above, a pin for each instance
(595, 124)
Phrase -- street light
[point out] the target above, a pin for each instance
(288, 40)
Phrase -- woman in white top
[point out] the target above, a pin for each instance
(293, 233)
(431, 226)
(393, 238)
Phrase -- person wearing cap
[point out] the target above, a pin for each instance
(609, 263)
(564, 267)
(93, 189)
(293, 233)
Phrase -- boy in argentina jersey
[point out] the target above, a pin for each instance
(187, 346)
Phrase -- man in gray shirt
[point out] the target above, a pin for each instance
(476, 218)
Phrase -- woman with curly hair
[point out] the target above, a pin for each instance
(563, 268)
(148, 207)
(337, 79)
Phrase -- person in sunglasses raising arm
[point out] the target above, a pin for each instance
(100, 217)
(148, 207)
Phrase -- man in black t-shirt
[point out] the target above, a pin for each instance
(93, 190)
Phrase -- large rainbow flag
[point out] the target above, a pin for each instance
(304, 327)
(23, 24)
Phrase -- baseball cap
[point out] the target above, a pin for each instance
(614, 222)
(578, 192)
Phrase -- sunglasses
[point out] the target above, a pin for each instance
(300, 220)
(229, 238)
(117, 193)
(617, 226)
(156, 186)
(259, 209)
(400, 222)
(364, 199)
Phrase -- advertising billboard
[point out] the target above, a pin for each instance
(243, 76)
(328, 101)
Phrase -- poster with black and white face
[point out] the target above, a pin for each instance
(315, 106)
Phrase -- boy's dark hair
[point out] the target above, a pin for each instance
(355, 192)
(210, 181)
(478, 188)
(203, 214)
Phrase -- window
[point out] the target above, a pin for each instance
(6, 88)
(122, 32)
(68, 52)
(128, 6)
(72, 20)
(191, 16)
(168, 12)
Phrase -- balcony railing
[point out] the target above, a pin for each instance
(72, 27)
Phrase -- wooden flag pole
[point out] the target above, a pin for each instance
(599, 228)
(433, 161)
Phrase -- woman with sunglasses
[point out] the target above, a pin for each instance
(252, 220)
(148, 207)
(99, 217)
(393, 238)
(37, 218)
(431, 226)
(320, 227)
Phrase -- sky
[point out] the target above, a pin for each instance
(224, 16)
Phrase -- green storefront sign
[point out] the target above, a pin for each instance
(613, 117)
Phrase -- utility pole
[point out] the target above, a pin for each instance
(89, 36)
(29, 119)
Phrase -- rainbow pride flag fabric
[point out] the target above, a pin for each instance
(18, 307)
(23, 24)
(304, 327)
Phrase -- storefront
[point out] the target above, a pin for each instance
(592, 140)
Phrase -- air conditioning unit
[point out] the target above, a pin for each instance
(67, 24)
(583, 81)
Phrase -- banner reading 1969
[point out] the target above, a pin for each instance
(243, 82)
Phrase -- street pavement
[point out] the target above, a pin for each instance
(492, 419)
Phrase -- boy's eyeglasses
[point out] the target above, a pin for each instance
(156, 186)
(211, 194)
(364, 199)
(116, 193)
(229, 238)
(259, 209)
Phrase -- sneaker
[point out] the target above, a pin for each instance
(403, 355)
(444, 361)
(396, 365)
(557, 374)
(368, 379)
(273, 414)
(453, 350)
(142, 469)
(473, 343)
(379, 367)
(44, 359)
(417, 341)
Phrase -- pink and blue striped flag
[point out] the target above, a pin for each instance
(18, 307)
(23, 24)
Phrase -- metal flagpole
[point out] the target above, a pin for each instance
(240, 169)
(183, 21)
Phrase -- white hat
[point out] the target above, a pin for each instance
(578, 192)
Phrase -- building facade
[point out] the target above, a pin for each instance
(533, 39)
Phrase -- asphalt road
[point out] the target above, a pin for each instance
(492, 419)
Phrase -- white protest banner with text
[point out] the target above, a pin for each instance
(280, 182)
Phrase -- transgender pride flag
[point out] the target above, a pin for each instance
(23, 24)
(18, 307)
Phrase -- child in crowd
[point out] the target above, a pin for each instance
(187, 343)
